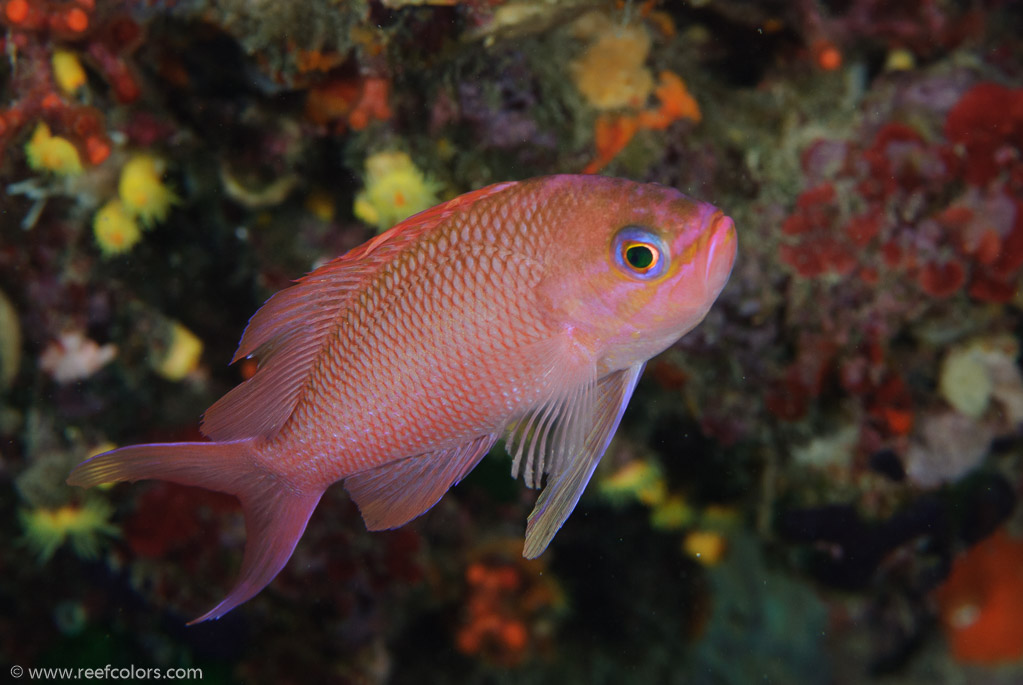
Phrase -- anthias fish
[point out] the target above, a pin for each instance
(524, 309)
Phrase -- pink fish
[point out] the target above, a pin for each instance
(524, 309)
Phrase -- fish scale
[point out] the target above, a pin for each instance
(372, 350)
(395, 367)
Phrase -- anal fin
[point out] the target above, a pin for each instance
(391, 495)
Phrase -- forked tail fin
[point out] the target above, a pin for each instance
(276, 512)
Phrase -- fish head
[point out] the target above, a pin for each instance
(645, 263)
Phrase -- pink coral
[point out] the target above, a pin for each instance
(74, 357)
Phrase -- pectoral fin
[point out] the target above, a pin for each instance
(593, 417)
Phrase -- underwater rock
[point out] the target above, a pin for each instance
(519, 18)
(283, 36)
(776, 623)
(848, 549)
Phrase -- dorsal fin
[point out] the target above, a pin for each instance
(288, 333)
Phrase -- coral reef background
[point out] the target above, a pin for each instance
(819, 484)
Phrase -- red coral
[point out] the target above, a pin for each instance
(863, 228)
(942, 280)
(119, 73)
(987, 124)
(820, 249)
(987, 289)
(891, 254)
(902, 210)
(996, 245)
(804, 379)
(899, 159)
(908, 223)
(890, 404)
(897, 165)
(1009, 260)
(372, 104)
(173, 518)
(818, 256)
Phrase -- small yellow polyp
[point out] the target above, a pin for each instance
(51, 153)
(67, 71)
(706, 546)
(115, 229)
(142, 190)
(182, 356)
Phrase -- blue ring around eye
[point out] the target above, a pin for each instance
(632, 237)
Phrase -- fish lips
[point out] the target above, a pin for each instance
(721, 252)
(700, 280)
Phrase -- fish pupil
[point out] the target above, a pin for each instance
(640, 257)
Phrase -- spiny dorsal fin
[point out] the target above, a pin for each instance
(288, 333)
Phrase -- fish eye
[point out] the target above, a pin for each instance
(639, 252)
(640, 256)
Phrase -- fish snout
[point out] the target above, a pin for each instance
(721, 251)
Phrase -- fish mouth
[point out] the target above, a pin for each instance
(721, 251)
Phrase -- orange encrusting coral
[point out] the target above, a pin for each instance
(346, 100)
(372, 104)
(17, 11)
(676, 103)
(826, 54)
(76, 20)
(317, 60)
(981, 602)
(612, 132)
(506, 602)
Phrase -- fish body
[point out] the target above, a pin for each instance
(524, 309)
